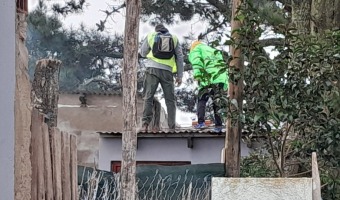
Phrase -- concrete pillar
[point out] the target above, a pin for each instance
(7, 88)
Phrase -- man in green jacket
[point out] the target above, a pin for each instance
(207, 63)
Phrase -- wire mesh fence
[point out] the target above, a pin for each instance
(190, 182)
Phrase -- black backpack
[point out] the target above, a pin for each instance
(163, 46)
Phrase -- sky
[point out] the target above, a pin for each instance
(93, 14)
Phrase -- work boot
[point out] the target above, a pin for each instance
(217, 130)
(200, 125)
(144, 128)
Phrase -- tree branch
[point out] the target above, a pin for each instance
(187, 66)
(283, 160)
(273, 155)
(220, 6)
(101, 24)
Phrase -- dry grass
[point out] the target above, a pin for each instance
(98, 185)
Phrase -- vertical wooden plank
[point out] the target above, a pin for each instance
(316, 178)
(41, 164)
(34, 157)
(47, 162)
(56, 164)
(65, 166)
(37, 155)
(73, 167)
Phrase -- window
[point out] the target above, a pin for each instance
(115, 165)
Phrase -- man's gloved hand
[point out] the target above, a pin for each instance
(178, 81)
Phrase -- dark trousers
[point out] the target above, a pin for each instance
(203, 97)
(154, 77)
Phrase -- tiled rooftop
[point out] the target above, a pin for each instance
(180, 132)
(108, 93)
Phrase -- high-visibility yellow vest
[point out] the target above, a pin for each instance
(169, 62)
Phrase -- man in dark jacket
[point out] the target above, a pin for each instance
(161, 70)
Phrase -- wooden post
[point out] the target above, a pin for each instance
(22, 112)
(44, 96)
(45, 88)
(37, 157)
(74, 169)
(233, 134)
(129, 80)
(316, 178)
(65, 166)
(56, 163)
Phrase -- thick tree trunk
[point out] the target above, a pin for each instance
(129, 80)
(315, 16)
(234, 128)
(325, 15)
(45, 89)
(22, 168)
(301, 15)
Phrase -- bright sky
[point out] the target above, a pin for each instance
(93, 14)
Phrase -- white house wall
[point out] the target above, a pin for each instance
(7, 88)
(205, 150)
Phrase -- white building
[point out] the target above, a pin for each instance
(187, 146)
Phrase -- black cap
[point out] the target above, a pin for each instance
(161, 28)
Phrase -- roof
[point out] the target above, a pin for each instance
(107, 93)
(178, 133)
(187, 132)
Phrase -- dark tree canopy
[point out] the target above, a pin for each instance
(86, 54)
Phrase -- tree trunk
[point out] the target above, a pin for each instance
(315, 16)
(301, 16)
(45, 89)
(22, 111)
(129, 80)
(325, 15)
(233, 135)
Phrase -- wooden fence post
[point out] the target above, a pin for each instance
(54, 153)
(233, 133)
(316, 178)
(74, 169)
(56, 163)
(22, 111)
(45, 88)
(129, 82)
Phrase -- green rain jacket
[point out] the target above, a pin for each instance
(207, 63)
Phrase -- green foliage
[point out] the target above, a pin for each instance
(293, 99)
(256, 165)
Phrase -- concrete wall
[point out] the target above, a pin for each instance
(7, 83)
(205, 150)
(262, 188)
(104, 113)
